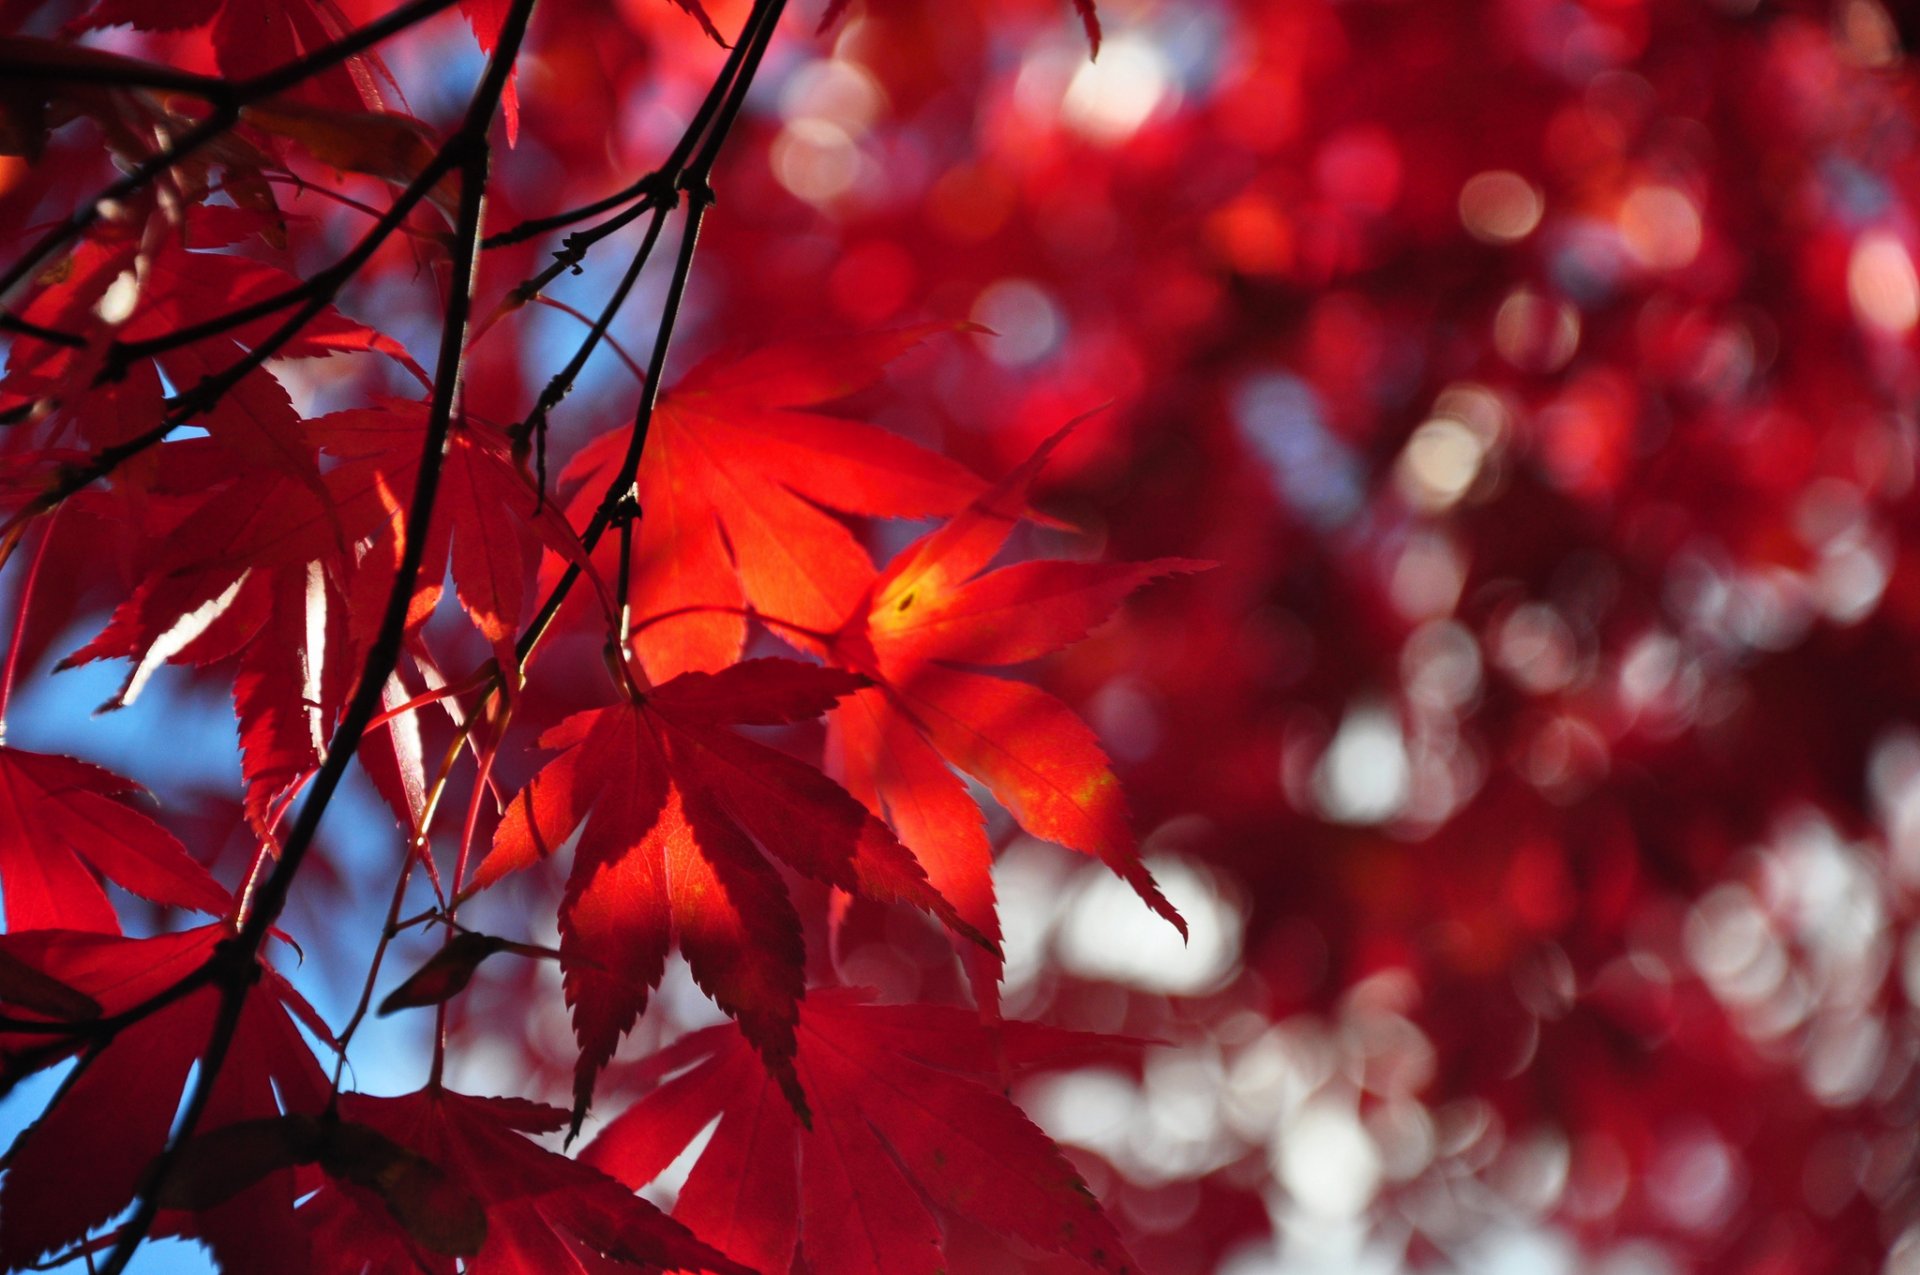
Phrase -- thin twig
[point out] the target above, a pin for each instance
(118, 74)
(12, 669)
(649, 185)
(316, 294)
(561, 383)
(380, 946)
(619, 350)
(225, 115)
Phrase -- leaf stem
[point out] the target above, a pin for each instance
(620, 351)
(12, 669)
(387, 933)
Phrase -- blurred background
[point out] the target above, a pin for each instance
(1539, 770)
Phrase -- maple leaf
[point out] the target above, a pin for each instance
(487, 17)
(543, 1212)
(677, 812)
(130, 120)
(23, 985)
(113, 973)
(257, 568)
(447, 972)
(1090, 20)
(922, 618)
(488, 519)
(118, 287)
(699, 12)
(58, 816)
(435, 1212)
(909, 1109)
(249, 568)
(82, 1161)
(390, 145)
(250, 37)
(733, 487)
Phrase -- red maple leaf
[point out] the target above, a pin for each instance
(254, 568)
(922, 620)
(488, 519)
(734, 485)
(253, 36)
(421, 1181)
(680, 815)
(86, 1156)
(123, 286)
(909, 1110)
(486, 17)
(58, 817)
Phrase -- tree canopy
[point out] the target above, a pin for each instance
(887, 636)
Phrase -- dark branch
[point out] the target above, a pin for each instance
(648, 188)
(561, 383)
(225, 115)
(469, 147)
(751, 47)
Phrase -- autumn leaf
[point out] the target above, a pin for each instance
(249, 569)
(194, 275)
(82, 1161)
(390, 145)
(253, 36)
(32, 107)
(447, 972)
(910, 1122)
(927, 615)
(254, 570)
(1091, 21)
(410, 1166)
(679, 816)
(118, 292)
(699, 12)
(487, 17)
(434, 1212)
(488, 521)
(23, 985)
(734, 485)
(58, 819)
(112, 973)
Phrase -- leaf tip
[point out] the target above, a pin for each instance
(1090, 20)
(835, 11)
(796, 1098)
(576, 1117)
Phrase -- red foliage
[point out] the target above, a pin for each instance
(1449, 466)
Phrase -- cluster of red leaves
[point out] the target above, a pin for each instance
(264, 550)
(1538, 370)
(1612, 637)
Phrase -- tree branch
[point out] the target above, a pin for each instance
(264, 908)
(752, 47)
(226, 113)
(314, 295)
